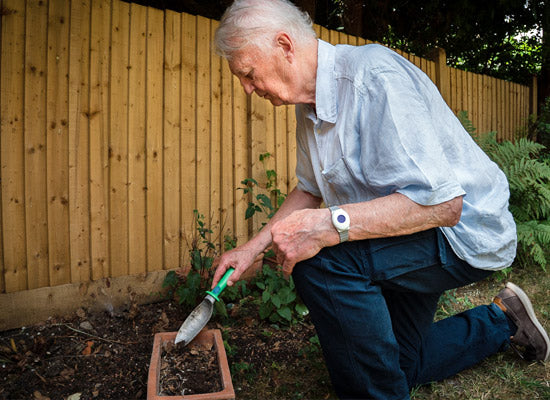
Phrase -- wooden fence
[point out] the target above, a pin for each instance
(117, 121)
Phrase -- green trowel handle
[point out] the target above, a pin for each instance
(221, 284)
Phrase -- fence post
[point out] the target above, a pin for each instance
(533, 97)
(442, 74)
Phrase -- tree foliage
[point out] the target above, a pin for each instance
(483, 37)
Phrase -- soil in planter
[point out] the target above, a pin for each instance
(189, 370)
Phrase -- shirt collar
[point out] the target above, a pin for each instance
(325, 88)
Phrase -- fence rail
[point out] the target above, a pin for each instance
(117, 121)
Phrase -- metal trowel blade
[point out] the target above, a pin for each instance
(198, 318)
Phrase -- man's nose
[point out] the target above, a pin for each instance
(247, 85)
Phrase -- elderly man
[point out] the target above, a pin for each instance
(414, 208)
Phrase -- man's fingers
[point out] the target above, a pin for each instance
(219, 273)
(288, 267)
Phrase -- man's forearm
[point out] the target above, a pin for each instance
(397, 215)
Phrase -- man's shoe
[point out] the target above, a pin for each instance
(530, 336)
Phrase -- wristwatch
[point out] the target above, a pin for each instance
(340, 220)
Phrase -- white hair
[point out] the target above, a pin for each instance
(256, 22)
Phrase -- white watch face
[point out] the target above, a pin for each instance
(340, 220)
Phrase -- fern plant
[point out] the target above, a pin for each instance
(529, 180)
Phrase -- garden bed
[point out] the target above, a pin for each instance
(107, 355)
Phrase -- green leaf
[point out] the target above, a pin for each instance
(265, 310)
(301, 309)
(250, 211)
(285, 313)
(286, 295)
(171, 279)
(276, 300)
(220, 308)
(264, 200)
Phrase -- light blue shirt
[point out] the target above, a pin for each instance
(381, 126)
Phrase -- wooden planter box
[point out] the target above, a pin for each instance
(211, 336)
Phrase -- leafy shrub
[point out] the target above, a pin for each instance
(189, 288)
(279, 302)
(529, 180)
(541, 126)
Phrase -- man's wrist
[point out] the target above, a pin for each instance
(341, 222)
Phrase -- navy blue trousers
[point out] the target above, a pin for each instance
(373, 303)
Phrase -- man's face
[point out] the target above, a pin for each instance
(263, 73)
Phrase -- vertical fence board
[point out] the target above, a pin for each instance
(494, 104)
(154, 140)
(459, 93)
(241, 169)
(260, 131)
(188, 118)
(215, 139)
(203, 117)
(507, 133)
(118, 141)
(486, 104)
(35, 144)
(57, 142)
(228, 183)
(99, 135)
(172, 135)
(465, 94)
(324, 34)
(453, 90)
(12, 161)
(501, 112)
(475, 100)
(137, 245)
(79, 109)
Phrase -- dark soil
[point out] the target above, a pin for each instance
(107, 355)
(188, 370)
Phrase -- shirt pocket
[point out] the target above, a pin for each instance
(343, 186)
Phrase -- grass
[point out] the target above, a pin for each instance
(503, 376)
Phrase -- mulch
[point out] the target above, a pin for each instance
(106, 355)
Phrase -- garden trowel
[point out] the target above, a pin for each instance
(202, 313)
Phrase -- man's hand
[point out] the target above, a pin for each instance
(240, 258)
(301, 236)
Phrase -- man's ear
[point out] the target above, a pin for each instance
(286, 44)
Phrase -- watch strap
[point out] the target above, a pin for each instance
(344, 234)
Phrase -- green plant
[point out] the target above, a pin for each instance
(279, 303)
(189, 287)
(449, 304)
(540, 126)
(529, 180)
(313, 349)
(264, 203)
